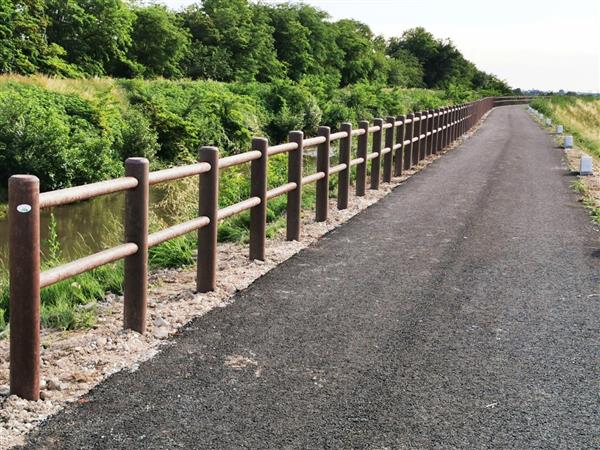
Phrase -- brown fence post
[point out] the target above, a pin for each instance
(456, 125)
(136, 231)
(361, 152)
(431, 141)
(294, 198)
(206, 269)
(436, 135)
(430, 132)
(417, 144)
(424, 131)
(322, 194)
(452, 126)
(389, 143)
(24, 267)
(447, 139)
(443, 125)
(344, 175)
(408, 135)
(259, 169)
(440, 141)
(377, 146)
(398, 162)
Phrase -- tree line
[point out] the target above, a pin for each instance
(223, 40)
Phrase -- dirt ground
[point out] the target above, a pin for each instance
(74, 362)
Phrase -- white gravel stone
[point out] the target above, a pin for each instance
(160, 322)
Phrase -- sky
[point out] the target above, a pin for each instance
(547, 45)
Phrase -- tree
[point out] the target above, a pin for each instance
(159, 43)
(356, 43)
(96, 34)
(231, 41)
(23, 45)
(305, 40)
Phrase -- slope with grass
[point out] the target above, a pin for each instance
(579, 114)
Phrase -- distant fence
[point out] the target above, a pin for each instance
(516, 100)
(397, 144)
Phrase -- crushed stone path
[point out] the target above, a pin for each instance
(461, 311)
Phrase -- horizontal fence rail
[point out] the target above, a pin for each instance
(515, 100)
(396, 144)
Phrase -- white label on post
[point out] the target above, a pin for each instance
(24, 208)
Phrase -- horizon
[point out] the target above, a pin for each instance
(534, 55)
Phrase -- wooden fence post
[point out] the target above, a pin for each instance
(430, 131)
(436, 134)
(259, 169)
(436, 127)
(207, 236)
(377, 146)
(452, 126)
(361, 169)
(294, 198)
(443, 131)
(408, 136)
(398, 162)
(24, 267)
(447, 136)
(322, 194)
(389, 143)
(136, 231)
(416, 148)
(440, 133)
(344, 175)
(424, 130)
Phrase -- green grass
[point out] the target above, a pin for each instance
(580, 116)
(71, 303)
(588, 201)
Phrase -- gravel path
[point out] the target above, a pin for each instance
(461, 311)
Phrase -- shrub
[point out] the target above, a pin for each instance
(64, 138)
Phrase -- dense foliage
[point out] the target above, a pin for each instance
(70, 132)
(222, 40)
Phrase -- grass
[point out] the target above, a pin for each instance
(588, 201)
(71, 303)
(580, 116)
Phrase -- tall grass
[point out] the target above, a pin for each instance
(580, 115)
(71, 303)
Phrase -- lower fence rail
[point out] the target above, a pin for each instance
(397, 144)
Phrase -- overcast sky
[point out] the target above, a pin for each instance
(547, 45)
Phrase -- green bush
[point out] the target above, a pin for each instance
(285, 106)
(186, 115)
(64, 138)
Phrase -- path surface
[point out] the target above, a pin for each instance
(460, 311)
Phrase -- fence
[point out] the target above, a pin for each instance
(398, 143)
(516, 100)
